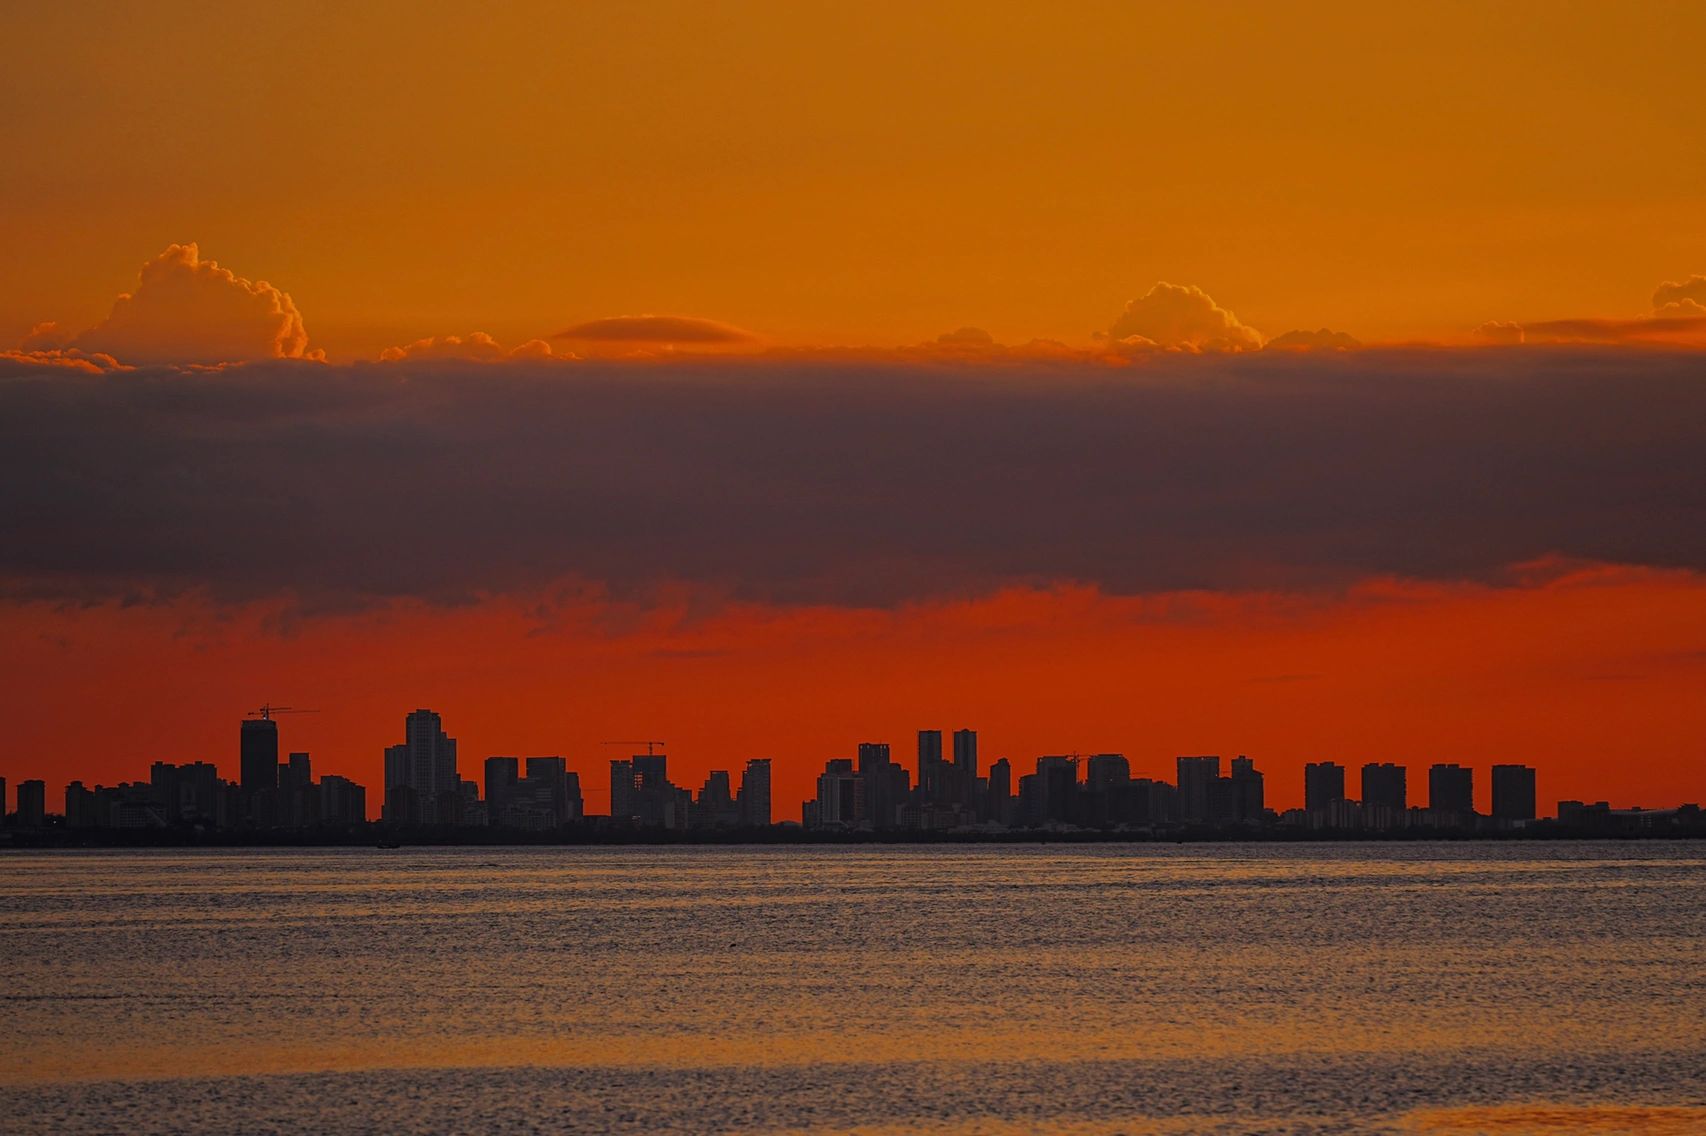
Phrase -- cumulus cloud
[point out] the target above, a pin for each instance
(849, 481)
(1681, 297)
(477, 347)
(970, 338)
(1501, 331)
(1182, 317)
(48, 336)
(660, 330)
(1322, 339)
(189, 310)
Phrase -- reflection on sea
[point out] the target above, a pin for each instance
(1441, 989)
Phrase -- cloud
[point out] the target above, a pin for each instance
(858, 482)
(968, 338)
(477, 347)
(1323, 339)
(57, 359)
(1658, 331)
(650, 329)
(1175, 317)
(1678, 319)
(47, 336)
(1681, 297)
(1501, 331)
(189, 310)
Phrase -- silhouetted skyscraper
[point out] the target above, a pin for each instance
(1197, 776)
(1105, 771)
(837, 804)
(503, 774)
(32, 803)
(1056, 789)
(881, 782)
(572, 795)
(621, 789)
(714, 807)
(1249, 803)
(965, 766)
(342, 801)
(1451, 789)
(421, 782)
(641, 792)
(547, 788)
(1323, 785)
(1513, 792)
(258, 755)
(297, 773)
(1383, 786)
(931, 774)
(754, 796)
(998, 798)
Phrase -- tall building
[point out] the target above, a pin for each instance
(753, 799)
(715, 805)
(998, 797)
(258, 755)
(546, 788)
(32, 804)
(188, 792)
(1249, 804)
(79, 806)
(503, 774)
(621, 789)
(1451, 789)
(1197, 776)
(1323, 785)
(932, 772)
(2, 799)
(837, 804)
(965, 767)
(1056, 789)
(641, 792)
(1383, 786)
(1104, 771)
(421, 782)
(882, 781)
(342, 801)
(1513, 793)
(572, 795)
(297, 772)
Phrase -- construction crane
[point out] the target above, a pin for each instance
(651, 747)
(267, 710)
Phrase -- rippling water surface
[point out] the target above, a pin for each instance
(1449, 990)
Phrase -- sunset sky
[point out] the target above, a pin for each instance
(770, 378)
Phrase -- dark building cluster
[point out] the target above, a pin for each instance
(269, 794)
(1098, 791)
(870, 792)
(423, 789)
(641, 795)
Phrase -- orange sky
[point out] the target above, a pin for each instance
(829, 188)
(1595, 676)
(868, 174)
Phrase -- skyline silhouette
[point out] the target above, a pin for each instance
(942, 793)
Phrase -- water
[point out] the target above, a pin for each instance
(1445, 990)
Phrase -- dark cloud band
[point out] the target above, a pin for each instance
(864, 483)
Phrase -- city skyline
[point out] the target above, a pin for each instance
(422, 786)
